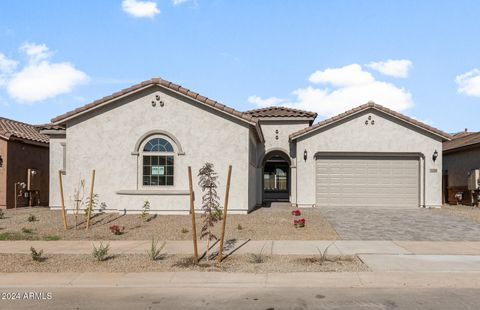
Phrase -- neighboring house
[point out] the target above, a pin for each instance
(461, 155)
(141, 140)
(23, 159)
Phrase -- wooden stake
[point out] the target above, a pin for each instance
(90, 203)
(192, 212)
(62, 200)
(225, 208)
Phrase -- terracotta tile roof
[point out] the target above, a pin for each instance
(461, 134)
(14, 129)
(457, 143)
(276, 111)
(163, 83)
(370, 105)
(49, 126)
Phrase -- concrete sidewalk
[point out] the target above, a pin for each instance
(268, 247)
(243, 280)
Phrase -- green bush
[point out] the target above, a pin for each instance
(101, 253)
(155, 252)
(31, 218)
(36, 256)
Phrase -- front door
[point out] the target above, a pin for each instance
(276, 180)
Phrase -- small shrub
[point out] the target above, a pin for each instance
(145, 211)
(299, 223)
(257, 258)
(239, 227)
(117, 230)
(184, 230)
(323, 254)
(155, 252)
(2, 214)
(27, 230)
(32, 218)
(36, 256)
(11, 236)
(52, 238)
(95, 204)
(101, 253)
(296, 212)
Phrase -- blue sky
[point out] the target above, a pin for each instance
(417, 57)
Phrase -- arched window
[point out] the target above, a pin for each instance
(158, 162)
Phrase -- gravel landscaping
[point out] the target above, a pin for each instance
(170, 263)
(467, 212)
(274, 223)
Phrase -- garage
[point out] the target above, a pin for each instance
(368, 181)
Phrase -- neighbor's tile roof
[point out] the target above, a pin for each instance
(461, 142)
(10, 128)
(272, 112)
(162, 83)
(370, 105)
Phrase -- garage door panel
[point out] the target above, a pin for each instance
(367, 181)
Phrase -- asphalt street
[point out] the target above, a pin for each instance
(247, 298)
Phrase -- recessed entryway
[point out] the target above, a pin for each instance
(276, 177)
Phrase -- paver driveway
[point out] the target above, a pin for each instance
(404, 224)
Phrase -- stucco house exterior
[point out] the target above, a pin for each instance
(23, 161)
(460, 156)
(141, 140)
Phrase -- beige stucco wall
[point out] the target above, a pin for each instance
(104, 140)
(458, 164)
(386, 135)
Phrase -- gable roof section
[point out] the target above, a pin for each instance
(465, 141)
(10, 129)
(166, 85)
(280, 112)
(367, 106)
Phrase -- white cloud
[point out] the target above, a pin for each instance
(36, 52)
(40, 78)
(344, 76)
(37, 82)
(352, 86)
(469, 83)
(396, 68)
(7, 67)
(138, 8)
(178, 2)
(265, 102)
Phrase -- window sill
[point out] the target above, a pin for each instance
(159, 192)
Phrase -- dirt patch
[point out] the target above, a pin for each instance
(141, 263)
(274, 223)
(467, 212)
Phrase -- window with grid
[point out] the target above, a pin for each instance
(158, 163)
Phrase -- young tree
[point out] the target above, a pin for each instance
(208, 181)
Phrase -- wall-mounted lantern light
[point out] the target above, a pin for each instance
(1, 161)
(305, 155)
(435, 155)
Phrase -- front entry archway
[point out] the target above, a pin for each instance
(276, 177)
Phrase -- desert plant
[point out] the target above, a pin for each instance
(145, 211)
(31, 218)
(2, 214)
(27, 230)
(239, 227)
(95, 204)
(36, 256)
(208, 180)
(101, 253)
(323, 254)
(184, 230)
(155, 251)
(117, 230)
(259, 258)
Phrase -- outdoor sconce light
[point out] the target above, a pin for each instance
(1, 161)
(435, 155)
(305, 155)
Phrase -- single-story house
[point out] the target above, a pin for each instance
(23, 165)
(141, 140)
(460, 156)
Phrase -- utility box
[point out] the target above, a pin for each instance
(474, 180)
(33, 180)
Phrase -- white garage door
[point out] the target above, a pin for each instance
(374, 181)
